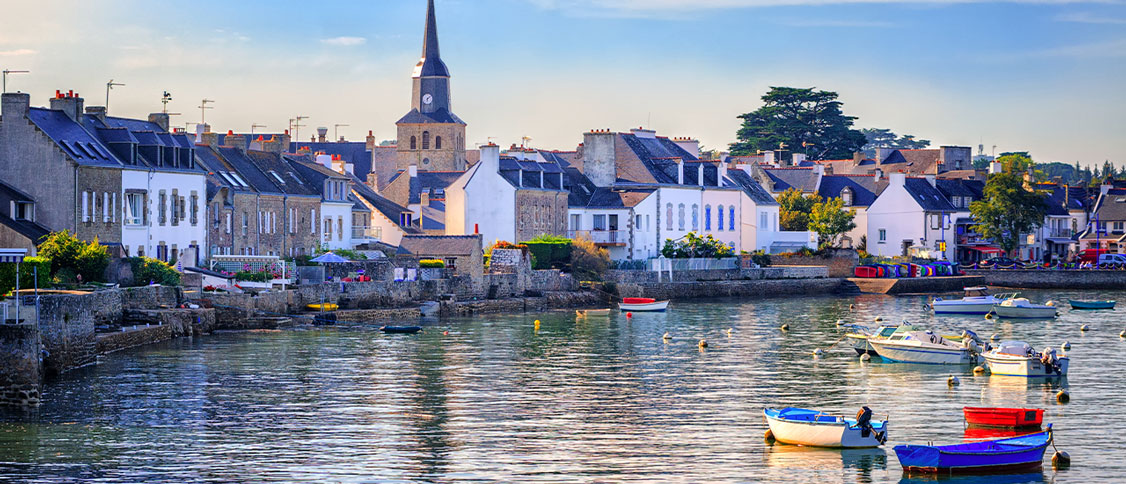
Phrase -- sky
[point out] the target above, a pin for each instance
(1044, 76)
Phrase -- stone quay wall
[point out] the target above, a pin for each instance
(745, 288)
(1049, 279)
(841, 264)
(19, 365)
(765, 273)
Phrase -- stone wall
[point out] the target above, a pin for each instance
(19, 365)
(150, 297)
(841, 264)
(1048, 279)
(749, 288)
(154, 326)
(651, 277)
(67, 327)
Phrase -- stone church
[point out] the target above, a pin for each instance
(431, 136)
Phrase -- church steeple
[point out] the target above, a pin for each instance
(431, 64)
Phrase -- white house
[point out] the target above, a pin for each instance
(911, 215)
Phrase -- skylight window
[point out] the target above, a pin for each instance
(88, 149)
(70, 149)
(276, 177)
(228, 178)
(295, 177)
(239, 180)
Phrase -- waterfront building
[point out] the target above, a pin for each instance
(1107, 229)
(912, 216)
(131, 184)
(930, 161)
(338, 208)
(387, 221)
(462, 254)
(507, 198)
(857, 192)
(18, 228)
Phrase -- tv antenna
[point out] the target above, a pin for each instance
(253, 126)
(5, 82)
(203, 107)
(335, 130)
(109, 87)
(295, 123)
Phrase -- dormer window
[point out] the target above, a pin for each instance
(846, 196)
(406, 219)
(23, 211)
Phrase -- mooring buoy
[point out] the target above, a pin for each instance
(953, 381)
(994, 337)
(1061, 459)
(1063, 397)
(768, 436)
(865, 357)
(1084, 328)
(817, 353)
(878, 319)
(703, 344)
(785, 326)
(979, 370)
(1066, 345)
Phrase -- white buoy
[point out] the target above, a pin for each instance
(865, 357)
(953, 381)
(978, 370)
(729, 331)
(1122, 334)
(818, 352)
(785, 326)
(989, 316)
(666, 337)
(1066, 345)
(1084, 328)
(851, 307)
(841, 322)
(1063, 396)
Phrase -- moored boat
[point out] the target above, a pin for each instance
(1022, 308)
(1092, 304)
(322, 307)
(592, 313)
(910, 344)
(799, 426)
(977, 300)
(1003, 417)
(1014, 453)
(401, 329)
(642, 304)
(1017, 358)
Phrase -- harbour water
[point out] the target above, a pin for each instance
(598, 400)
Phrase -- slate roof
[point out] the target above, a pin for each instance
(292, 182)
(434, 215)
(510, 170)
(32, 230)
(618, 197)
(1112, 205)
(865, 189)
(751, 187)
(580, 188)
(440, 116)
(927, 196)
(249, 172)
(354, 152)
(389, 209)
(803, 179)
(960, 188)
(657, 157)
(69, 136)
(440, 245)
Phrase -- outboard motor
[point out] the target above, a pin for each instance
(864, 421)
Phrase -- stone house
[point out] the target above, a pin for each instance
(912, 214)
(229, 195)
(463, 254)
(18, 228)
(387, 221)
(338, 208)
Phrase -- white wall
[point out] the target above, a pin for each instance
(337, 212)
(184, 234)
(897, 213)
(727, 198)
(482, 198)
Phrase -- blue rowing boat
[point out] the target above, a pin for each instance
(1091, 304)
(401, 329)
(1001, 455)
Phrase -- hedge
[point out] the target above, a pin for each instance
(27, 271)
(555, 254)
(147, 271)
(431, 264)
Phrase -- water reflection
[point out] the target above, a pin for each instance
(800, 457)
(1027, 478)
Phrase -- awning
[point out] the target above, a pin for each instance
(13, 256)
(988, 250)
(1060, 240)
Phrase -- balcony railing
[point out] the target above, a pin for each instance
(602, 237)
(366, 233)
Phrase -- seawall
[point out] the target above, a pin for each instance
(1052, 279)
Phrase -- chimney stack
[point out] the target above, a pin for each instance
(97, 112)
(857, 158)
(236, 141)
(322, 133)
(15, 105)
(160, 119)
(68, 103)
(370, 141)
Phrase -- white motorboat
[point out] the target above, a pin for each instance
(1017, 358)
(1022, 308)
(910, 344)
(858, 336)
(799, 426)
(977, 300)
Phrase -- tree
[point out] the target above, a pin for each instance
(795, 209)
(1007, 209)
(885, 138)
(74, 257)
(694, 246)
(588, 261)
(829, 220)
(800, 120)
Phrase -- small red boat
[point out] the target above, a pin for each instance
(1004, 417)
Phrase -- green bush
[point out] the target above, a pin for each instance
(550, 252)
(27, 271)
(694, 246)
(249, 276)
(431, 264)
(148, 271)
(65, 251)
(761, 258)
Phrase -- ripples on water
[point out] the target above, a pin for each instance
(587, 401)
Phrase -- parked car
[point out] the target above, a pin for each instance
(1112, 260)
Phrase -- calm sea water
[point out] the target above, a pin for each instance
(577, 401)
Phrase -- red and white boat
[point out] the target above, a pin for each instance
(1004, 417)
(642, 304)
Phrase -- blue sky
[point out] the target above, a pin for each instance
(1047, 77)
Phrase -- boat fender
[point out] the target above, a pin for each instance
(1063, 396)
(864, 421)
(865, 357)
(1061, 460)
(953, 381)
(989, 316)
(768, 436)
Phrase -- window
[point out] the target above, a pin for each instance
(134, 208)
(763, 222)
(731, 217)
(175, 209)
(668, 216)
(406, 219)
(707, 217)
(245, 224)
(846, 196)
(105, 207)
(576, 222)
(228, 223)
(680, 216)
(339, 228)
(85, 206)
(637, 223)
(313, 222)
(719, 218)
(425, 140)
(163, 214)
(883, 236)
(328, 229)
(437, 142)
(414, 143)
(647, 225)
(113, 207)
(599, 222)
(195, 209)
(451, 263)
(695, 217)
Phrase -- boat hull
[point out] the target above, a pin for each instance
(1010, 365)
(1019, 312)
(1089, 305)
(1003, 417)
(646, 307)
(401, 329)
(840, 434)
(961, 307)
(588, 313)
(1001, 455)
(860, 344)
(899, 353)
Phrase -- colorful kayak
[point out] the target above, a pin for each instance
(1003, 417)
(1014, 453)
(1092, 304)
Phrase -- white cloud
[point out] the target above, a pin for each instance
(16, 52)
(1090, 18)
(345, 41)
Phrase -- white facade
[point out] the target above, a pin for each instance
(493, 214)
(174, 222)
(897, 222)
(336, 225)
